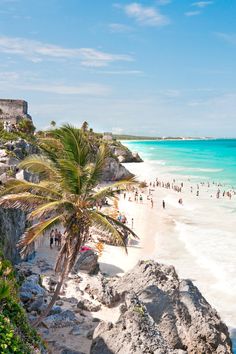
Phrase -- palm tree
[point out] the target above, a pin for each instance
(66, 195)
(53, 123)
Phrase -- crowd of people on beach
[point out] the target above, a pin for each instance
(145, 192)
(139, 194)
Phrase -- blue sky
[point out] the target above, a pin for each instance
(160, 67)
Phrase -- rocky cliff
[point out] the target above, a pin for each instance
(12, 226)
(159, 314)
(123, 154)
(114, 171)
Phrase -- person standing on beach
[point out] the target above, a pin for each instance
(56, 237)
(132, 223)
(51, 238)
(151, 202)
(59, 237)
(163, 204)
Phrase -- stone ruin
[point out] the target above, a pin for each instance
(13, 110)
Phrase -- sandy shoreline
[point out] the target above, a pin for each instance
(161, 238)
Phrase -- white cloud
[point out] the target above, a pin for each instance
(28, 81)
(192, 13)
(202, 4)
(119, 28)
(86, 89)
(7, 76)
(37, 51)
(148, 16)
(229, 38)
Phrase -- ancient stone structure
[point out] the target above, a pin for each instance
(13, 110)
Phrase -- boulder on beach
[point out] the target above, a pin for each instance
(87, 262)
(173, 310)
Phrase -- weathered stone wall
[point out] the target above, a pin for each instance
(13, 110)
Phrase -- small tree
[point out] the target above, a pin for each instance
(53, 123)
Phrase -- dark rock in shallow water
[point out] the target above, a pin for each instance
(179, 317)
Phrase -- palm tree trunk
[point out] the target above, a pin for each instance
(44, 314)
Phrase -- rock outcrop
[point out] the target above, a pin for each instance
(183, 321)
(114, 171)
(126, 155)
(134, 333)
(123, 154)
(87, 262)
(12, 226)
(11, 153)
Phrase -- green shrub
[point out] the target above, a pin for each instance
(16, 334)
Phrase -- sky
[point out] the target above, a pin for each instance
(150, 67)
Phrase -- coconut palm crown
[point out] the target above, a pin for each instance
(67, 195)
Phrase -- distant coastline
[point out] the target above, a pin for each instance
(146, 138)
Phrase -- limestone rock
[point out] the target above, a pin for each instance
(114, 171)
(70, 351)
(123, 154)
(66, 318)
(87, 262)
(184, 318)
(88, 305)
(134, 333)
(32, 294)
(100, 289)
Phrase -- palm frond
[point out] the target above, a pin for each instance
(74, 143)
(52, 207)
(102, 223)
(35, 231)
(71, 173)
(14, 186)
(113, 189)
(41, 165)
(24, 201)
(95, 169)
(119, 224)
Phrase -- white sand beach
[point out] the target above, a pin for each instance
(196, 237)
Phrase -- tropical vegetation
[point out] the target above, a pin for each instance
(16, 335)
(70, 169)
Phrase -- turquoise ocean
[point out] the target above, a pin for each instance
(203, 160)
